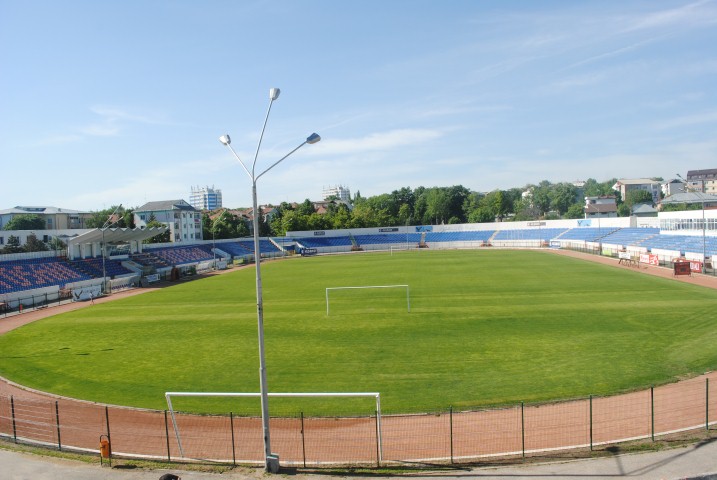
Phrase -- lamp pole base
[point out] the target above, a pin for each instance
(272, 463)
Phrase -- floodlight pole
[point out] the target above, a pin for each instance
(271, 460)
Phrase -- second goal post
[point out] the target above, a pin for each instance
(330, 289)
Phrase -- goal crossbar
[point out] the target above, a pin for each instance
(408, 295)
(376, 395)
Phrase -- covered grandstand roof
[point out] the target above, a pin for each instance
(116, 235)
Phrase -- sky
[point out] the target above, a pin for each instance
(122, 102)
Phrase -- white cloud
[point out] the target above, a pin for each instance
(377, 141)
(687, 15)
(706, 117)
(100, 130)
(114, 114)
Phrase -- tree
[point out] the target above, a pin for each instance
(12, 245)
(457, 196)
(541, 197)
(404, 214)
(33, 244)
(499, 204)
(524, 210)
(562, 197)
(56, 244)
(623, 210)
(306, 208)
(635, 197)
(339, 216)
(405, 200)
(481, 215)
(128, 218)
(576, 210)
(124, 218)
(26, 221)
(471, 203)
(161, 237)
(437, 206)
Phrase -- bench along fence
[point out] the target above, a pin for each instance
(446, 436)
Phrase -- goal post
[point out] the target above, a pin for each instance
(405, 248)
(408, 294)
(376, 395)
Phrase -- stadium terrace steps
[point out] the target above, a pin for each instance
(20, 275)
(27, 274)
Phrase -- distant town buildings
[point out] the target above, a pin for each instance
(672, 187)
(183, 220)
(702, 181)
(600, 207)
(627, 185)
(339, 191)
(55, 218)
(206, 198)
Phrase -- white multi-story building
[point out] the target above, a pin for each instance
(702, 181)
(54, 218)
(183, 220)
(627, 185)
(339, 191)
(206, 198)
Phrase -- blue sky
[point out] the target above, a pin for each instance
(108, 102)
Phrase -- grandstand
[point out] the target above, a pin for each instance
(183, 255)
(540, 234)
(94, 268)
(29, 274)
(18, 273)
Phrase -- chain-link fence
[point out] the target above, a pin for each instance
(299, 440)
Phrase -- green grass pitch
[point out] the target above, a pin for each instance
(485, 328)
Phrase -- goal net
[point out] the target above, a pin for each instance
(335, 290)
(408, 247)
(241, 434)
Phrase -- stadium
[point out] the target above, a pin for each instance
(518, 419)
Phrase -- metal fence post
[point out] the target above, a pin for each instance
(107, 421)
(166, 436)
(450, 419)
(591, 423)
(652, 411)
(303, 439)
(378, 447)
(234, 453)
(707, 403)
(522, 427)
(57, 423)
(12, 412)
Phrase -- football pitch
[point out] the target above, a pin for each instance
(484, 328)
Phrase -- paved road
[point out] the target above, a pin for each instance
(694, 462)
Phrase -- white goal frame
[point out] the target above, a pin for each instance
(405, 248)
(408, 294)
(376, 395)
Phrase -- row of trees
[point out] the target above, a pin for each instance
(441, 205)
(406, 206)
(33, 244)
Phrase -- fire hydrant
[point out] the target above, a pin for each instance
(105, 450)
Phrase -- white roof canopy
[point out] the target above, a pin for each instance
(116, 235)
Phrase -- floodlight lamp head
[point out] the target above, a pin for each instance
(225, 139)
(274, 94)
(313, 138)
